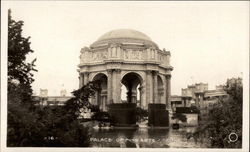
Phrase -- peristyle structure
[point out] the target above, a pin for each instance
(130, 58)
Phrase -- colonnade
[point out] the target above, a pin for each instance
(150, 92)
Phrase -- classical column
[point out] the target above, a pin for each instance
(160, 94)
(129, 95)
(168, 91)
(86, 78)
(80, 80)
(140, 100)
(143, 91)
(114, 86)
(149, 87)
(118, 85)
(155, 86)
(134, 96)
(110, 89)
(103, 100)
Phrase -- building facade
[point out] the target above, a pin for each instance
(43, 99)
(199, 96)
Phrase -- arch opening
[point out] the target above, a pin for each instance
(100, 97)
(131, 92)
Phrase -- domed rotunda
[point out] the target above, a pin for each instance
(130, 58)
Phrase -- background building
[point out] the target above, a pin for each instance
(44, 100)
(198, 95)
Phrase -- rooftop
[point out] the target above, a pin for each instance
(128, 36)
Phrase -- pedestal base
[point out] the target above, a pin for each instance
(158, 115)
(123, 114)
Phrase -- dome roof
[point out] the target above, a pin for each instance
(124, 33)
(124, 36)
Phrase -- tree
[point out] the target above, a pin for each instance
(61, 126)
(20, 78)
(81, 98)
(30, 125)
(19, 71)
(226, 117)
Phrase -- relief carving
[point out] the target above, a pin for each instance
(99, 55)
(105, 55)
(82, 59)
(83, 56)
(126, 54)
(133, 54)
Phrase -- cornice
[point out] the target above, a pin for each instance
(164, 52)
(116, 61)
(123, 40)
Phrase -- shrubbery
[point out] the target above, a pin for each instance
(180, 116)
(140, 113)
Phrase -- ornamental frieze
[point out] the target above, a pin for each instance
(92, 55)
(133, 54)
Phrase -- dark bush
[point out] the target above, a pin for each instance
(180, 117)
(140, 113)
(101, 116)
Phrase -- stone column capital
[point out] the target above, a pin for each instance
(87, 73)
(155, 72)
(152, 72)
(168, 76)
(149, 71)
(117, 70)
(114, 70)
(110, 71)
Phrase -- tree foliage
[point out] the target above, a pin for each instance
(81, 98)
(19, 71)
(51, 126)
(61, 122)
(226, 117)
(20, 118)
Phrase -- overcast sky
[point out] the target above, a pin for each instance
(208, 40)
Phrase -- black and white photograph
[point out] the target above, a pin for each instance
(125, 75)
